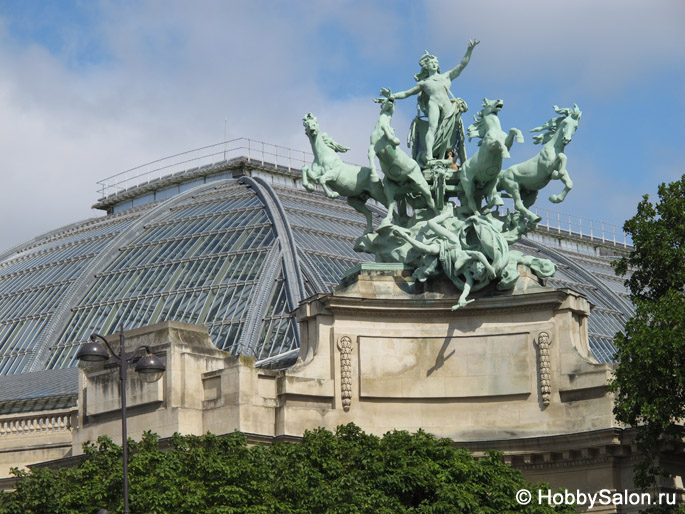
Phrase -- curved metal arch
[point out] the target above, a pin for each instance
(82, 285)
(290, 264)
(294, 285)
(276, 213)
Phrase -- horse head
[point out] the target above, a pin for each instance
(560, 128)
(311, 125)
(491, 107)
(483, 122)
(569, 124)
(387, 105)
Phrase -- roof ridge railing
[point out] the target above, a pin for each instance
(594, 230)
(578, 226)
(205, 156)
(293, 160)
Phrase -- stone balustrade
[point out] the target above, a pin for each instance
(36, 423)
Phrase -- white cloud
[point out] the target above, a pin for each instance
(173, 77)
(171, 73)
(602, 43)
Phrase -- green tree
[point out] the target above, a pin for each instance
(657, 261)
(343, 472)
(650, 379)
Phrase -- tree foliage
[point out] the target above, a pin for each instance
(657, 261)
(345, 472)
(650, 379)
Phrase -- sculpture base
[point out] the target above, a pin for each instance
(399, 357)
(386, 280)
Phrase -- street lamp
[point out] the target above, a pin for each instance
(150, 368)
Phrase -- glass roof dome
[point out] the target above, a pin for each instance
(235, 247)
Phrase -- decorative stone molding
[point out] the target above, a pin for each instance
(437, 311)
(544, 341)
(345, 347)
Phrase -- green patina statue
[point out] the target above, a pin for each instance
(467, 243)
(479, 173)
(403, 175)
(523, 181)
(357, 183)
(434, 136)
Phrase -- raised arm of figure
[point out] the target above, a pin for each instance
(454, 72)
(466, 289)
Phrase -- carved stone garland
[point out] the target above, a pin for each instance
(345, 347)
(544, 341)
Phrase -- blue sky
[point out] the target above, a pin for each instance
(90, 88)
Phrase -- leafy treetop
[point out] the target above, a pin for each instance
(657, 260)
(343, 472)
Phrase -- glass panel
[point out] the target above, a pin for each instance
(331, 269)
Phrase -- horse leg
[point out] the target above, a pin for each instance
(359, 205)
(509, 184)
(390, 192)
(329, 175)
(306, 174)
(509, 141)
(494, 199)
(529, 197)
(520, 206)
(424, 189)
(376, 191)
(469, 191)
(562, 175)
(402, 213)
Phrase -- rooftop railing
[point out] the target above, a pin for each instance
(292, 160)
(578, 226)
(204, 157)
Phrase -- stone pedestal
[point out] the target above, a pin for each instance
(394, 355)
(385, 353)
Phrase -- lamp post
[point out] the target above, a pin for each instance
(149, 367)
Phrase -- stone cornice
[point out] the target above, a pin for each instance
(431, 307)
(606, 437)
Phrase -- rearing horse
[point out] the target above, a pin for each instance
(523, 181)
(478, 175)
(357, 183)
